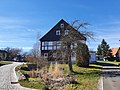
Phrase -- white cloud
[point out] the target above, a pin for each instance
(110, 31)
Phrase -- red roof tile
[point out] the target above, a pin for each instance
(114, 51)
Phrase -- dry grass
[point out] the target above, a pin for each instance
(57, 72)
(87, 78)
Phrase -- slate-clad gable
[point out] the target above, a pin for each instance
(50, 42)
(51, 35)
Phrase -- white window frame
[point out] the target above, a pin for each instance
(46, 48)
(50, 43)
(66, 32)
(45, 55)
(58, 32)
(62, 25)
(58, 47)
(50, 48)
(43, 44)
(58, 43)
(46, 43)
(42, 48)
(54, 48)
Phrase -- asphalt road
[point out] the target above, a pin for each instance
(111, 78)
(8, 78)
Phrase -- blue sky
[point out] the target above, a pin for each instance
(20, 20)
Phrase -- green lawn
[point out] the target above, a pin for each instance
(5, 63)
(22, 71)
(109, 62)
(87, 78)
(32, 84)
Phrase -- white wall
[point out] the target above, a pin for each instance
(92, 57)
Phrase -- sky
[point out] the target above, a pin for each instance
(21, 20)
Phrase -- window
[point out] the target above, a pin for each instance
(50, 43)
(58, 43)
(42, 48)
(62, 25)
(54, 42)
(66, 32)
(58, 47)
(58, 32)
(42, 43)
(54, 48)
(45, 55)
(50, 48)
(46, 43)
(46, 48)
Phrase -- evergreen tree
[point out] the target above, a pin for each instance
(82, 55)
(99, 50)
(103, 48)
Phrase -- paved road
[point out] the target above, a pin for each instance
(111, 78)
(7, 75)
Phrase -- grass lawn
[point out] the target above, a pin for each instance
(109, 62)
(32, 84)
(87, 78)
(5, 63)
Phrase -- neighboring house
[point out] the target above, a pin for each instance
(50, 42)
(116, 53)
(3, 55)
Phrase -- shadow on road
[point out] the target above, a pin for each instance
(109, 70)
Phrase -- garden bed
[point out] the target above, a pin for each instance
(85, 78)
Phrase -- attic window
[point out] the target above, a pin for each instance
(58, 32)
(62, 25)
(66, 32)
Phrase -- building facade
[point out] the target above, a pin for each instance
(50, 42)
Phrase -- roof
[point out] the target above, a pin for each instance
(114, 51)
(51, 34)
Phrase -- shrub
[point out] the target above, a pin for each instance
(38, 61)
(82, 55)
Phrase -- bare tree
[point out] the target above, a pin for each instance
(35, 55)
(13, 52)
(69, 41)
(36, 58)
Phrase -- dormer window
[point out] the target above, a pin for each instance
(66, 32)
(58, 32)
(62, 25)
